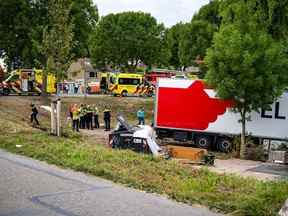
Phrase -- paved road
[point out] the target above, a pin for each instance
(259, 170)
(32, 188)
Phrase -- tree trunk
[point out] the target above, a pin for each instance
(243, 135)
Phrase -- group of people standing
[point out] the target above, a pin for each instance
(87, 117)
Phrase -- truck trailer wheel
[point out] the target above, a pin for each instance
(224, 145)
(203, 141)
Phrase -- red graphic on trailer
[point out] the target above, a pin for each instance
(189, 108)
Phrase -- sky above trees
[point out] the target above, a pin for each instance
(168, 12)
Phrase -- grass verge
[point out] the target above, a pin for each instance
(224, 193)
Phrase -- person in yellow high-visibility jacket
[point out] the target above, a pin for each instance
(96, 116)
(75, 117)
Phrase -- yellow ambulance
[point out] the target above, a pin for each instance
(51, 81)
(126, 84)
(30, 81)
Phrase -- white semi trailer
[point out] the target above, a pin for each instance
(188, 110)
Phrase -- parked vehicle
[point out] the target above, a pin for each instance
(179, 76)
(126, 84)
(51, 81)
(28, 81)
(94, 88)
(107, 80)
(156, 74)
(186, 110)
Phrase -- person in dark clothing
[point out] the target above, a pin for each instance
(76, 88)
(33, 117)
(82, 116)
(71, 107)
(89, 118)
(107, 118)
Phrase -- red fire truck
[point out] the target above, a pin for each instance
(155, 74)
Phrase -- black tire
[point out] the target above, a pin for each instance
(224, 145)
(203, 141)
(124, 93)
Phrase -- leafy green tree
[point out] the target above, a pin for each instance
(277, 24)
(21, 30)
(174, 36)
(270, 15)
(57, 39)
(198, 35)
(210, 13)
(84, 15)
(126, 39)
(248, 66)
(195, 41)
(40, 20)
(15, 17)
(165, 51)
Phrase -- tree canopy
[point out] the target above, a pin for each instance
(84, 15)
(21, 30)
(174, 37)
(14, 31)
(195, 41)
(58, 38)
(190, 41)
(126, 39)
(269, 15)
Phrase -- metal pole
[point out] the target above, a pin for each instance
(53, 122)
(85, 78)
(58, 113)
